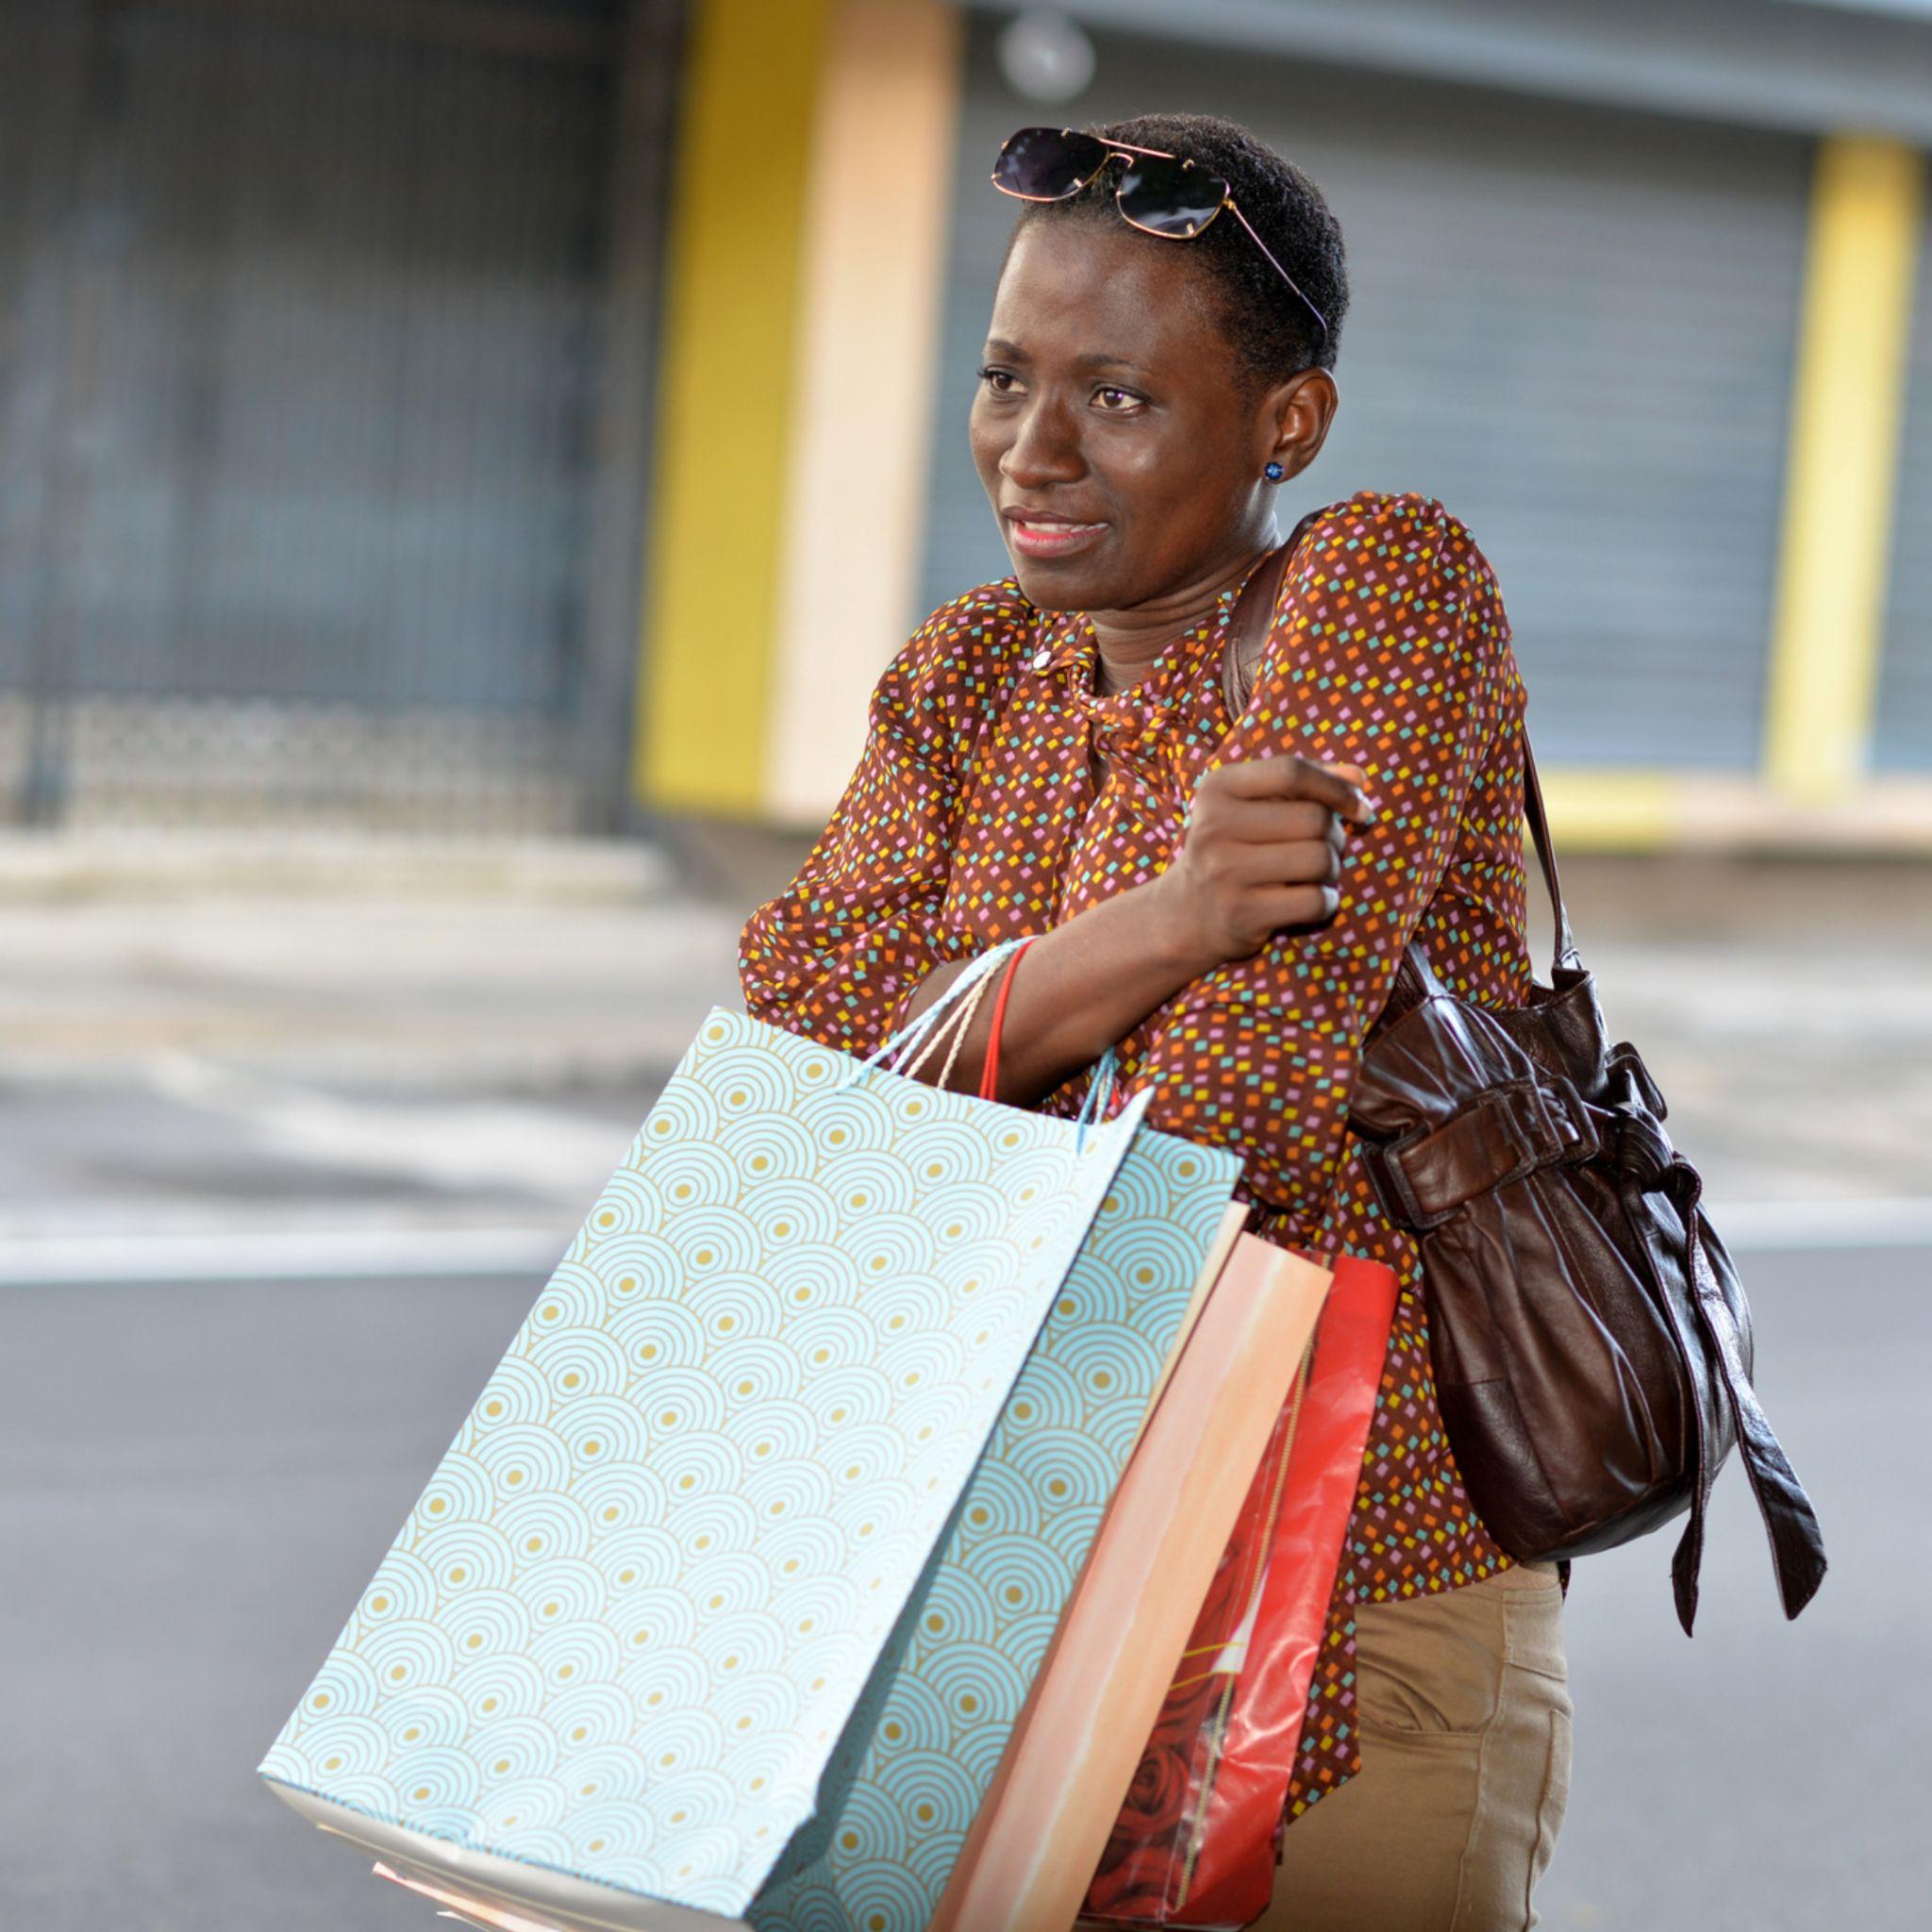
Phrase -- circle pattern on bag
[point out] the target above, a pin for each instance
(628, 1619)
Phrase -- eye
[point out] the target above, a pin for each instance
(992, 378)
(1130, 401)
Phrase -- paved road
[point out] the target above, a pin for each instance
(199, 1477)
(289, 1070)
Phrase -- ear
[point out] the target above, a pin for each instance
(1293, 417)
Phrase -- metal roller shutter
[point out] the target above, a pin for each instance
(307, 371)
(1573, 324)
(1902, 725)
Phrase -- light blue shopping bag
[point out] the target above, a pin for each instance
(920, 1752)
(725, 1599)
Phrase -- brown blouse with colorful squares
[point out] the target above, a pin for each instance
(974, 817)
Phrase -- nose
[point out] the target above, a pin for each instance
(1046, 448)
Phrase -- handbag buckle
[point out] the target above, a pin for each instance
(1530, 1125)
(1383, 1159)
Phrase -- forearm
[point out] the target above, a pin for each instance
(1081, 987)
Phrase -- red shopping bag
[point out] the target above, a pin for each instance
(1194, 1844)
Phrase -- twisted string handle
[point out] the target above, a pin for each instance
(895, 1052)
(1099, 1094)
(950, 1016)
(957, 1024)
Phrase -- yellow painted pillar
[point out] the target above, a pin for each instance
(805, 262)
(1848, 396)
(735, 256)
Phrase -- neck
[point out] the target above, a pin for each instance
(1129, 641)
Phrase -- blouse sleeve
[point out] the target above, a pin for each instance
(837, 954)
(1389, 650)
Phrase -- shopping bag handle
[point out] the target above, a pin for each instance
(990, 1071)
(1099, 1086)
(895, 1052)
(908, 1049)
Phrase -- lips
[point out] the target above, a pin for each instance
(1041, 533)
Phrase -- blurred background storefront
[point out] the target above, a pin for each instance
(323, 346)
(547, 416)
(511, 416)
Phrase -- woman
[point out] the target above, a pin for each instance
(1051, 755)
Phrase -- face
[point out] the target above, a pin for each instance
(1109, 400)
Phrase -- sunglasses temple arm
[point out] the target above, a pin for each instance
(1234, 209)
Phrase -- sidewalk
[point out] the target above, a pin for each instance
(218, 1056)
(348, 1056)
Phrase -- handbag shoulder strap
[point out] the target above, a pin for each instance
(1252, 619)
(1564, 945)
(1247, 638)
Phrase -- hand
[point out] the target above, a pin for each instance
(1262, 849)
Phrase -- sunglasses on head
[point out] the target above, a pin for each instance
(1160, 193)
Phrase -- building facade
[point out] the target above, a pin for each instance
(451, 412)
(321, 407)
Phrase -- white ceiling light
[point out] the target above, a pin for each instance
(1047, 56)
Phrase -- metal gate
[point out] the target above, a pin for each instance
(299, 365)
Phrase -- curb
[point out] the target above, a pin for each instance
(165, 863)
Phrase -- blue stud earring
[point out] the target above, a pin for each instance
(1274, 473)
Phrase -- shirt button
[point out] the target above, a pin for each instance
(1041, 659)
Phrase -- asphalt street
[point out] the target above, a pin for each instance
(286, 1154)
(200, 1477)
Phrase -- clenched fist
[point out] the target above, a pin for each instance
(1262, 849)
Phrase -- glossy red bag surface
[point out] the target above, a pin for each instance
(1195, 1842)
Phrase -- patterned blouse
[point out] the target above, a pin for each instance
(973, 818)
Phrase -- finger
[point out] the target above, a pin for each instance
(1278, 822)
(1286, 907)
(1292, 776)
(1274, 821)
(1300, 862)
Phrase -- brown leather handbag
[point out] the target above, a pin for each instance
(1591, 1344)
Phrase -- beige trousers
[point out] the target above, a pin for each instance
(1464, 1706)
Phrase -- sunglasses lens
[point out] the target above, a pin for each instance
(1047, 163)
(1169, 197)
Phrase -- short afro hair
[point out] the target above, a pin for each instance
(1272, 333)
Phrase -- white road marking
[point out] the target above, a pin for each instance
(463, 1143)
(1763, 1227)
(360, 1254)
(363, 1254)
